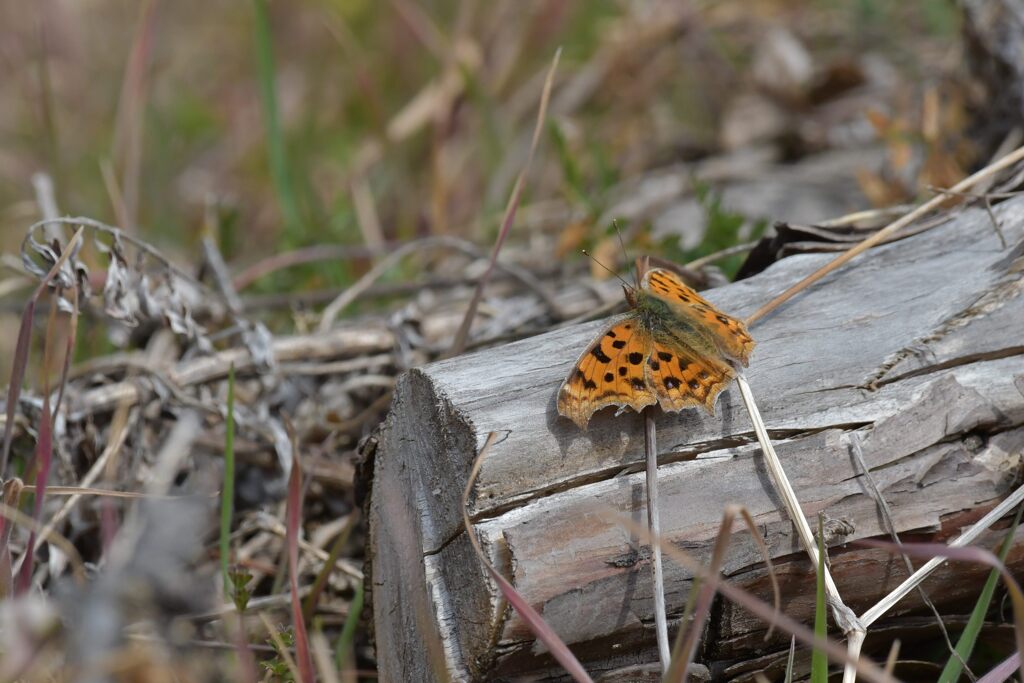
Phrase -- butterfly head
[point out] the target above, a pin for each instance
(631, 297)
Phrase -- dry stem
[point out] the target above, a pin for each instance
(907, 219)
(654, 524)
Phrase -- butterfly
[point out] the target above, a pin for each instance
(672, 348)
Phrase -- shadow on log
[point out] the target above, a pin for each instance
(915, 349)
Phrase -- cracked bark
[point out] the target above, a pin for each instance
(933, 325)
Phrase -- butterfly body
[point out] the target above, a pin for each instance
(673, 348)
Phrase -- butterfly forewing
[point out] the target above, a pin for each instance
(730, 335)
(611, 372)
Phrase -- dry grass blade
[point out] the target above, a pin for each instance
(967, 554)
(686, 645)
(44, 457)
(844, 617)
(785, 489)
(934, 203)
(11, 498)
(540, 628)
(1003, 671)
(116, 439)
(459, 345)
(898, 593)
(322, 657)
(758, 608)
(886, 517)
(22, 346)
(129, 126)
(293, 519)
(330, 563)
(298, 257)
(353, 292)
(890, 661)
(69, 349)
(13, 515)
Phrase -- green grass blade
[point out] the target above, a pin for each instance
(348, 631)
(280, 171)
(965, 644)
(819, 660)
(790, 661)
(227, 494)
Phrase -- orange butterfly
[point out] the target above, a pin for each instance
(673, 348)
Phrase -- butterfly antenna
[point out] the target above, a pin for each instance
(622, 243)
(619, 277)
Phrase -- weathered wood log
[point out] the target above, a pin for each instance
(915, 350)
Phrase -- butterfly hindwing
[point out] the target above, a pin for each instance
(730, 334)
(682, 379)
(611, 372)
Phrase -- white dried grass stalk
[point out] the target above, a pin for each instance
(915, 579)
(654, 526)
(843, 615)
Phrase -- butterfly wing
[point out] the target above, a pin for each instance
(683, 379)
(729, 334)
(611, 372)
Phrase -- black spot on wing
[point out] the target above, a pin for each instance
(600, 355)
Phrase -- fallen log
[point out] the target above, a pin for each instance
(914, 350)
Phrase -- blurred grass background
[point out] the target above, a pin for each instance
(272, 111)
(279, 125)
(275, 126)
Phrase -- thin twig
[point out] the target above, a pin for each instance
(116, 439)
(363, 284)
(654, 524)
(907, 219)
(16, 516)
(986, 198)
(220, 274)
(298, 257)
(721, 254)
(46, 198)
